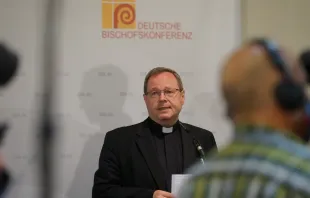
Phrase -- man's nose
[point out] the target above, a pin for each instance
(162, 96)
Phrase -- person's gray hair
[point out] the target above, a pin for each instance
(159, 70)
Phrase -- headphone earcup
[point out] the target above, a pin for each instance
(290, 96)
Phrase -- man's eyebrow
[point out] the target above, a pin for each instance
(154, 89)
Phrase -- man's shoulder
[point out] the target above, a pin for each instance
(121, 137)
(197, 130)
(124, 131)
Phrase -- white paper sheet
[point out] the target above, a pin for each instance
(177, 181)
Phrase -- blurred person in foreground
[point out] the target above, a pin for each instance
(264, 88)
(8, 68)
(139, 160)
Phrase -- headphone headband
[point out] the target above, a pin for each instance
(273, 52)
(289, 94)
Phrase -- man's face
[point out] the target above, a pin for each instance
(164, 99)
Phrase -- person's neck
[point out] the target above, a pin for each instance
(268, 119)
(166, 123)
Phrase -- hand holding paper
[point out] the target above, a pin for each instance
(161, 194)
(177, 181)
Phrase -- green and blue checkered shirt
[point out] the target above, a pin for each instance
(259, 163)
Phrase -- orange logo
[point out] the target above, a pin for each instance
(119, 14)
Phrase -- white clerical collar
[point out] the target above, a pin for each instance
(167, 130)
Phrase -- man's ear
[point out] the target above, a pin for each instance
(144, 97)
(183, 96)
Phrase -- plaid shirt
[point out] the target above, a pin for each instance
(259, 163)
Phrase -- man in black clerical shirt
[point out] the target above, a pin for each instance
(139, 160)
(168, 145)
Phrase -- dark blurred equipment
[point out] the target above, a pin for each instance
(3, 130)
(304, 60)
(47, 130)
(4, 181)
(4, 173)
(8, 69)
(8, 65)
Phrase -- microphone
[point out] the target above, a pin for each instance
(8, 65)
(197, 145)
(200, 150)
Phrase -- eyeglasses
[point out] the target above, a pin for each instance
(170, 93)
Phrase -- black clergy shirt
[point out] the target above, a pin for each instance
(168, 148)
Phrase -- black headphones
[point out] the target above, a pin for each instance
(289, 94)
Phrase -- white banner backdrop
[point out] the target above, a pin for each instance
(104, 58)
